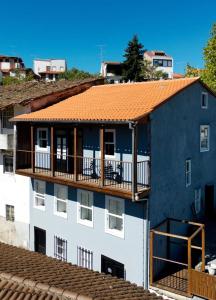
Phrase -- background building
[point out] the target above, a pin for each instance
(111, 71)
(161, 61)
(10, 65)
(49, 69)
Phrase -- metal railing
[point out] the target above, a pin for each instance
(117, 174)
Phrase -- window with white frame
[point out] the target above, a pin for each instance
(84, 258)
(188, 172)
(85, 207)
(39, 194)
(204, 138)
(60, 248)
(9, 213)
(114, 216)
(204, 100)
(61, 195)
(109, 142)
(197, 200)
(42, 138)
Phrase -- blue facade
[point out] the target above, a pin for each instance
(175, 137)
(128, 250)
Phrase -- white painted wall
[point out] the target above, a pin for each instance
(40, 65)
(5, 65)
(14, 191)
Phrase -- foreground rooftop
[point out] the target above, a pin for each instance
(112, 103)
(29, 275)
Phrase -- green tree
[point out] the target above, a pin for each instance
(132, 66)
(209, 75)
(150, 72)
(191, 71)
(75, 74)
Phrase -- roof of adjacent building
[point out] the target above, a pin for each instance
(178, 76)
(112, 103)
(7, 56)
(26, 92)
(156, 53)
(33, 276)
(112, 62)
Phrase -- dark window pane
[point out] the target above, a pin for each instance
(109, 137)
(109, 149)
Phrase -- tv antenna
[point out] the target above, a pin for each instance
(101, 49)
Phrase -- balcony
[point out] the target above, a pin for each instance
(102, 175)
(6, 141)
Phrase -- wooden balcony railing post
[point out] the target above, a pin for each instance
(151, 254)
(102, 149)
(134, 160)
(75, 153)
(52, 151)
(32, 149)
(189, 266)
(203, 248)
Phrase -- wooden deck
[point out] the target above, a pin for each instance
(123, 189)
(175, 282)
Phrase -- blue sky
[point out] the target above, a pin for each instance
(75, 29)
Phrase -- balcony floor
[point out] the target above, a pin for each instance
(85, 181)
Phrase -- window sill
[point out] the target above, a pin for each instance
(204, 150)
(85, 223)
(40, 207)
(59, 214)
(114, 232)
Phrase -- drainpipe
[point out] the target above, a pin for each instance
(146, 228)
(14, 148)
(133, 127)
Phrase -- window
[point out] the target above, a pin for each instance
(60, 248)
(169, 63)
(109, 142)
(39, 194)
(61, 195)
(165, 63)
(84, 258)
(10, 213)
(197, 200)
(188, 172)
(158, 62)
(204, 138)
(85, 208)
(42, 138)
(6, 115)
(204, 100)
(114, 219)
(8, 164)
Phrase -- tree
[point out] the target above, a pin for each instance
(150, 72)
(192, 72)
(209, 75)
(75, 74)
(132, 66)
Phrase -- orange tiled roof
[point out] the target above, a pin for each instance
(117, 102)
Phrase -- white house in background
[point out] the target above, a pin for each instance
(10, 64)
(111, 71)
(161, 60)
(49, 69)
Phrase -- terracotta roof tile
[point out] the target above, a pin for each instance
(29, 275)
(117, 102)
